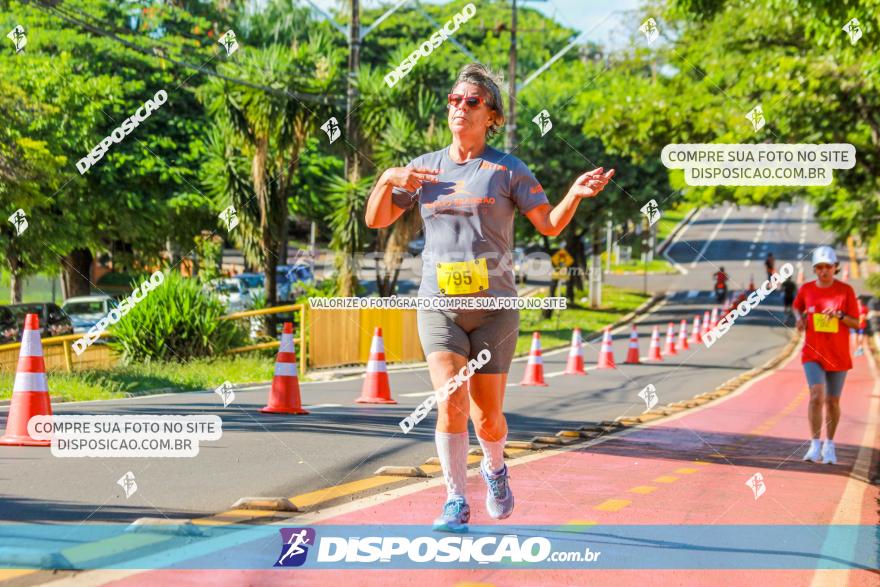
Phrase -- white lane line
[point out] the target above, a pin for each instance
(318, 406)
(712, 237)
(678, 266)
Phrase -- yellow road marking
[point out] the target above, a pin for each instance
(235, 516)
(644, 489)
(311, 498)
(12, 573)
(686, 470)
(666, 479)
(612, 505)
(581, 523)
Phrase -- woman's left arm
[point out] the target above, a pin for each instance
(551, 220)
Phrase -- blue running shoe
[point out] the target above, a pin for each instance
(456, 514)
(499, 497)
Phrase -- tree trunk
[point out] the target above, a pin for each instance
(76, 273)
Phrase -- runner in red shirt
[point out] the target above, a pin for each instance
(863, 324)
(826, 309)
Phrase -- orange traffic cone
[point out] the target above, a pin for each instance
(606, 354)
(682, 337)
(535, 368)
(632, 354)
(800, 277)
(284, 396)
(670, 341)
(654, 351)
(714, 317)
(706, 324)
(376, 389)
(575, 364)
(695, 331)
(30, 395)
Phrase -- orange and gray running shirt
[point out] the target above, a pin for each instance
(469, 213)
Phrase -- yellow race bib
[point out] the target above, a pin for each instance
(463, 277)
(824, 323)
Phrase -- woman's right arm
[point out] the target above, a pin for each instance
(381, 211)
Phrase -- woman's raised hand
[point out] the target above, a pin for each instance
(591, 183)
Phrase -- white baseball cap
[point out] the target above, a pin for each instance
(824, 254)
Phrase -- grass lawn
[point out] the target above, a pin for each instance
(134, 380)
(556, 331)
(37, 288)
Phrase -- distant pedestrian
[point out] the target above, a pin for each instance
(789, 289)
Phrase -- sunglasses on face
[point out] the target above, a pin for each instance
(470, 101)
(822, 266)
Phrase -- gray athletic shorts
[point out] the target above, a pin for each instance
(832, 380)
(468, 332)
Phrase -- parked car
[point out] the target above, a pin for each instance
(254, 282)
(85, 311)
(291, 279)
(53, 320)
(9, 330)
(231, 292)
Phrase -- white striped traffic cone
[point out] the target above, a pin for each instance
(575, 364)
(706, 324)
(606, 353)
(670, 341)
(682, 337)
(654, 350)
(632, 353)
(376, 389)
(30, 394)
(695, 331)
(535, 368)
(284, 396)
(714, 317)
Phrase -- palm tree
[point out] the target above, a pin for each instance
(258, 138)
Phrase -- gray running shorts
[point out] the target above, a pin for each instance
(832, 380)
(468, 332)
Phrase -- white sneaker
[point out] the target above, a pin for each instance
(813, 453)
(859, 352)
(828, 456)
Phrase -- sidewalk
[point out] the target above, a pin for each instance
(686, 470)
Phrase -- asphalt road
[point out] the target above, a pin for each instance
(340, 441)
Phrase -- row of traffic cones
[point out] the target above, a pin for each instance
(30, 395)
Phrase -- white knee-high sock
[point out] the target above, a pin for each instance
(452, 448)
(493, 454)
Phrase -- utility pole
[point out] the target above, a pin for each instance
(352, 163)
(510, 136)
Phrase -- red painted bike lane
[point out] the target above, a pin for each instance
(688, 469)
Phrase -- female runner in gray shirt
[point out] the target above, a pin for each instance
(469, 193)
